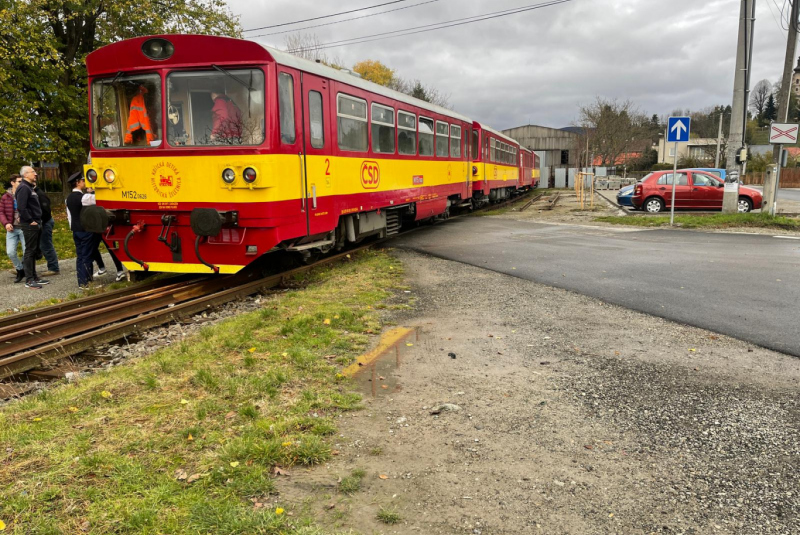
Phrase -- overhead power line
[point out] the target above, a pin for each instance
(343, 20)
(325, 16)
(437, 26)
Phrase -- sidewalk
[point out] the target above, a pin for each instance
(14, 296)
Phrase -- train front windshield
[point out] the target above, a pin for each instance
(126, 112)
(203, 108)
(224, 107)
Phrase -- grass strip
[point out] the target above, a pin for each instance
(187, 440)
(711, 221)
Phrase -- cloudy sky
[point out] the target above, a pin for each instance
(539, 66)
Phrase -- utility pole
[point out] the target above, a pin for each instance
(784, 97)
(719, 137)
(730, 199)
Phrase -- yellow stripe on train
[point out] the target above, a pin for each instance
(198, 179)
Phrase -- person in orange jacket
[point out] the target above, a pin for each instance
(138, 118)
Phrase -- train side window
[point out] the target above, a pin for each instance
(406, 133)
(286, 103)
(316, 120)
(352, 123)
(382, 129)
(442, 135)
(492, 151)
(425, 136)
(455, 141)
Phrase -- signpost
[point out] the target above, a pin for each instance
(677, 132)
(779, 134)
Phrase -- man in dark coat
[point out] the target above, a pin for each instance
(84, 241)
(30, 221)
(46, 240)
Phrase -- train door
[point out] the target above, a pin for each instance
(317, 149)
(291, 144)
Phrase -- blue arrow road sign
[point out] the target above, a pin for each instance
(678, 129)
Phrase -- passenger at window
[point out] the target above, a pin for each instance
(139, 120)
(227, 120)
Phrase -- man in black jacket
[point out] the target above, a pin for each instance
(30, 219)
(46, 239)
(84, 241)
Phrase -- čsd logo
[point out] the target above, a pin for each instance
(370, 175)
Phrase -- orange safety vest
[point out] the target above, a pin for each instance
(137, 119)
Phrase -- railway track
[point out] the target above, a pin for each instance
(41, 337)
(38, 338)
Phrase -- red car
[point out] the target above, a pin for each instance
(693, 189)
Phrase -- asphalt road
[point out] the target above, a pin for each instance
(786, 194)
(742, 285)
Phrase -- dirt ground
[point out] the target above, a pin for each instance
(573, 417)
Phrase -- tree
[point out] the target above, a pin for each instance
(759, 96)
(770, 110)
(615, 128)
(375, 72)
(43, 47)
(425, 92)
(308, 46)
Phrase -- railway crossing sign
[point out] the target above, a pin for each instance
(678, 129)
(783, 134)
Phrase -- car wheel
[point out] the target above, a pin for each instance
(745, 205)
(654, 205)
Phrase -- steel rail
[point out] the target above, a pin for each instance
(41, 313)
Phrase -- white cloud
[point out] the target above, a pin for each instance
(539, 66)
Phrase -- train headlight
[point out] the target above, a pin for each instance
(249, 175)
(109, 176)
(228, 176)
(474, 169)
(158, 49)
(91, 176)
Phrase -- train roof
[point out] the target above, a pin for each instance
(498, 134)
(290, 60)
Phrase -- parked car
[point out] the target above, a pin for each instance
(693, 189)
(624, 196)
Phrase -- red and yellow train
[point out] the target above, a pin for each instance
(208, 152)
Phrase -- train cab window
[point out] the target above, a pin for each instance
(126, 112)
(455, 141)
(215, 108)
(352, 123)
(406, 133)
(315, 119)
(442, 135)
(286, 105)
(476, 143)
(382, 129)
(425, 136)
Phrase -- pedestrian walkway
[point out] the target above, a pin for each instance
(14, 296)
